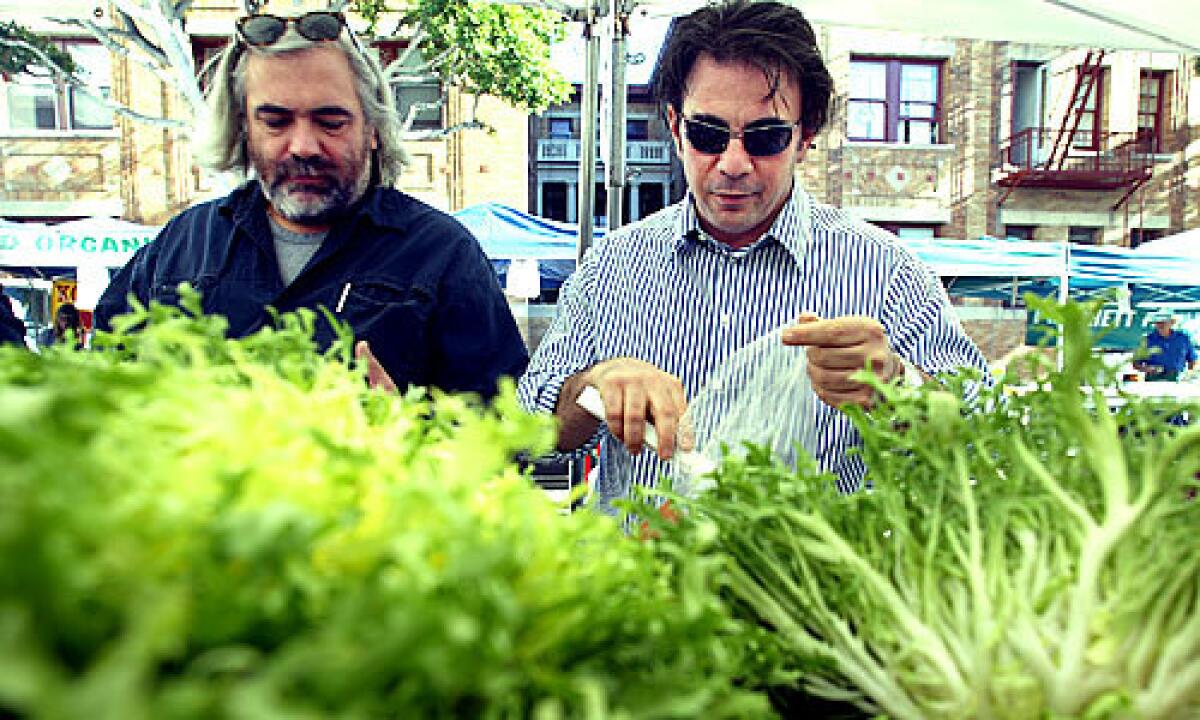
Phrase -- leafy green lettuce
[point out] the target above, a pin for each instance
(196, 527)
(1032, 555)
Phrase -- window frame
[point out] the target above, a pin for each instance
(641, 122)
(63, 96)
(1096, 234)
(1096, 98)
(1157, 134)
(893, 100)
(389, 51)
(910, 230)
(1020, 232)
(554, 120)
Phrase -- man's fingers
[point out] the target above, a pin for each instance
(666, 407)
(832, 380)
(634, 421)
(377, 377)
(849, 359)
(863, 397)
(838, 332)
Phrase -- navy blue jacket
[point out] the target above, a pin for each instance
(417, 285)
(12, 330)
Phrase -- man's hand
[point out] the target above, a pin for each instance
(840, 347)
(634, 393)
(377, 377)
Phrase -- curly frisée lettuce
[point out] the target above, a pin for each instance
(1031, 556)
(196, 527)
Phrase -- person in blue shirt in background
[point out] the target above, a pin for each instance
(303, 111)
(1171, 351)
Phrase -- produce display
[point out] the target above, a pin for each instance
(1030, 555)
(195, 527)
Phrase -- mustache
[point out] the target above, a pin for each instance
(297, 167)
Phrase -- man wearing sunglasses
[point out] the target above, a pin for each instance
(656, 306)
(300, 108)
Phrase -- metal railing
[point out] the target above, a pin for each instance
(1106, 154)
(646, 152)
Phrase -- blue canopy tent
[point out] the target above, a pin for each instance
(986, 267)
(507, 234)
(993, 268)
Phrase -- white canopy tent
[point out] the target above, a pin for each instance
(1186, 243)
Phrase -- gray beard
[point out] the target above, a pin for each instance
(332, 205)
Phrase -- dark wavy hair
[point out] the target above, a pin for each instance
(770, 36)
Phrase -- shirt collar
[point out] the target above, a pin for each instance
(792, 227)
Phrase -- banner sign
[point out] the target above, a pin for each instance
(1123, 329)
(46, 246)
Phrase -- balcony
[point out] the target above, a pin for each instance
(1040, 157)
(640, 152)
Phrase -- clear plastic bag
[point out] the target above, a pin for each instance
(760, 395)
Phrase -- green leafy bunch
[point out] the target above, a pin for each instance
(1028, 554)
(199, 527)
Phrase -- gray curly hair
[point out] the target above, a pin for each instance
(223, 145)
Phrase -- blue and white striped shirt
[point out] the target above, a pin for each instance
(663, 291)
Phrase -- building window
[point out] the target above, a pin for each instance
(1087, 132)
(1137, 236)
(1019, 232)
(555, 201)
(651, 199)
(1150, 110)
(1083, 235)
(895, 101)
(427, 96)
(412, 85)
(637, 129)
(909, 231)
(560, 128)
(42, 102)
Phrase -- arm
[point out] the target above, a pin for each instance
(133, 278)
(566, 362)
(12, 329)
(838, 348)
(634, 393)
(916, 326)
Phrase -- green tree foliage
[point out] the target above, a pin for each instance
(22, 51)
(483, 48)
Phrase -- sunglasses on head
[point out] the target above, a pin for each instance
(259, 30)
(761, 138)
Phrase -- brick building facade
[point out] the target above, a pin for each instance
(62, 159)
(929, 137)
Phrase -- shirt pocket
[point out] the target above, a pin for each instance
(166, 292)
(240, 301)
(394, 318)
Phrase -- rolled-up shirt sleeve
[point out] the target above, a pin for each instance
(569, 345)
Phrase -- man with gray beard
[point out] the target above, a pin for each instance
(306, 114)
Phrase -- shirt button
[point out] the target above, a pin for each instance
(726, 320)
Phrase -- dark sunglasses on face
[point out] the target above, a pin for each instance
(259, 30)
(761, 138)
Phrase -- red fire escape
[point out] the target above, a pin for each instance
(1052, 157)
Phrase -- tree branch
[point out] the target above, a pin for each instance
(78, 84)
